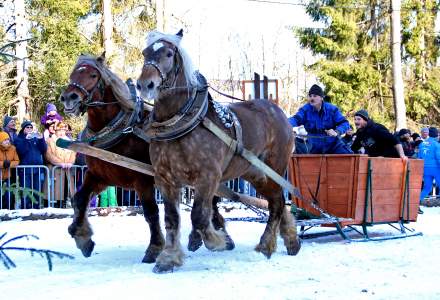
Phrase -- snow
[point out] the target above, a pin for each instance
(325, 268)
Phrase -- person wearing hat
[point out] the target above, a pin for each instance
(51, 116)
(424, 133)
(8, 159)
(323, 122)
(429, 151)
(31, 148)
(62, 160)
(375, 138)
(9, 128)
(405, 139)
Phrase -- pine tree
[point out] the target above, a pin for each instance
(355, 58)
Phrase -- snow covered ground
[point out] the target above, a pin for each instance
(325, 268)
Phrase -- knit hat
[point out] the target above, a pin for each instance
(425, 129)
(316, 90)
(6, 120)
(363, 114)
(403, 131)
(433, 132)
(50, 107)
(3, 136)
(26, 123)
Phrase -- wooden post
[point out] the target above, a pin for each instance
(257, 85)
(265, 87)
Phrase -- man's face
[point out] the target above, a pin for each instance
(315, 101)
(424, 134)
(11, 124)
(359, 122)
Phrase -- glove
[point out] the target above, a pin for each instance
(6, 164)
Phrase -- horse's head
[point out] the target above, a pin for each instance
(164, 62)
(86, 86)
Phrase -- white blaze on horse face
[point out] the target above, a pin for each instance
(157, 46)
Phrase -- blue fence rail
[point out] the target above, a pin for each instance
(40, 186)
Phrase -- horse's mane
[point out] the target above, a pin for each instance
(119, 88)
(188, 67)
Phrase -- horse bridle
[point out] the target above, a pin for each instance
(164, 76)
(89, 94)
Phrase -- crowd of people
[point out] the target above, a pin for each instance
(320, 126)
(324, 130)
(24, 157)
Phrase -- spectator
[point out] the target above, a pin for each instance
(49, 130)
(424, 133)
(9, 128)
(51, 115)
(31, 148)
(375, 138)
(417, 140)
(429, 151)
(8, 159)
(302, 145)
(107, 198)
(323, 122)
(406, 141)
(63, 159)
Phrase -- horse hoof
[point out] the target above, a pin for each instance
(163, 268)
(149, 257)
(295, 248)
(230, 245)
(87, 248)
(194, 241)
(263, 250)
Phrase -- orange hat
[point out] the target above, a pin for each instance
(3, 136)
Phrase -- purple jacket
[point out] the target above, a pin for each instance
(45, 118)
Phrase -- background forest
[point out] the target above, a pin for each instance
(351, 46)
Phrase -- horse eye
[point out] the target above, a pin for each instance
(94, 75)
(170, 53)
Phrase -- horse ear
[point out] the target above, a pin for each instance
(101, 58)
(180, 33)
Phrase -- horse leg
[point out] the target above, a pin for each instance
(201, 217)
(80, 228)
(195, 239)
(288, 233)
(151, 215)
(172, 255)
(274, 196)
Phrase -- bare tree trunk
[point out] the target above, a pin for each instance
(399, 100)
(22, 63)
(160, 15)
(107, 24)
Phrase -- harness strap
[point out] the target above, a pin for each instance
(252, 158)
(232, 150)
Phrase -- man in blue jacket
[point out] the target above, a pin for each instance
(324, 124)
(429, 151)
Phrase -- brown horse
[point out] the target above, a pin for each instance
(110, 110)
(92, 91)
(198, 158)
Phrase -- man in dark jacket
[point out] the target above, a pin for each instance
(31, 148)
(9, 128)
(323, 122)
(375, 138)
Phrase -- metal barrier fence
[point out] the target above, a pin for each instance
(40, 186)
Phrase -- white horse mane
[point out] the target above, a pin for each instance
(188, 67)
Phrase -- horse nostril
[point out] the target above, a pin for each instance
(151, 85)
(73, 96)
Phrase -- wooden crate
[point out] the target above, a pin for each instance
(343, 186)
